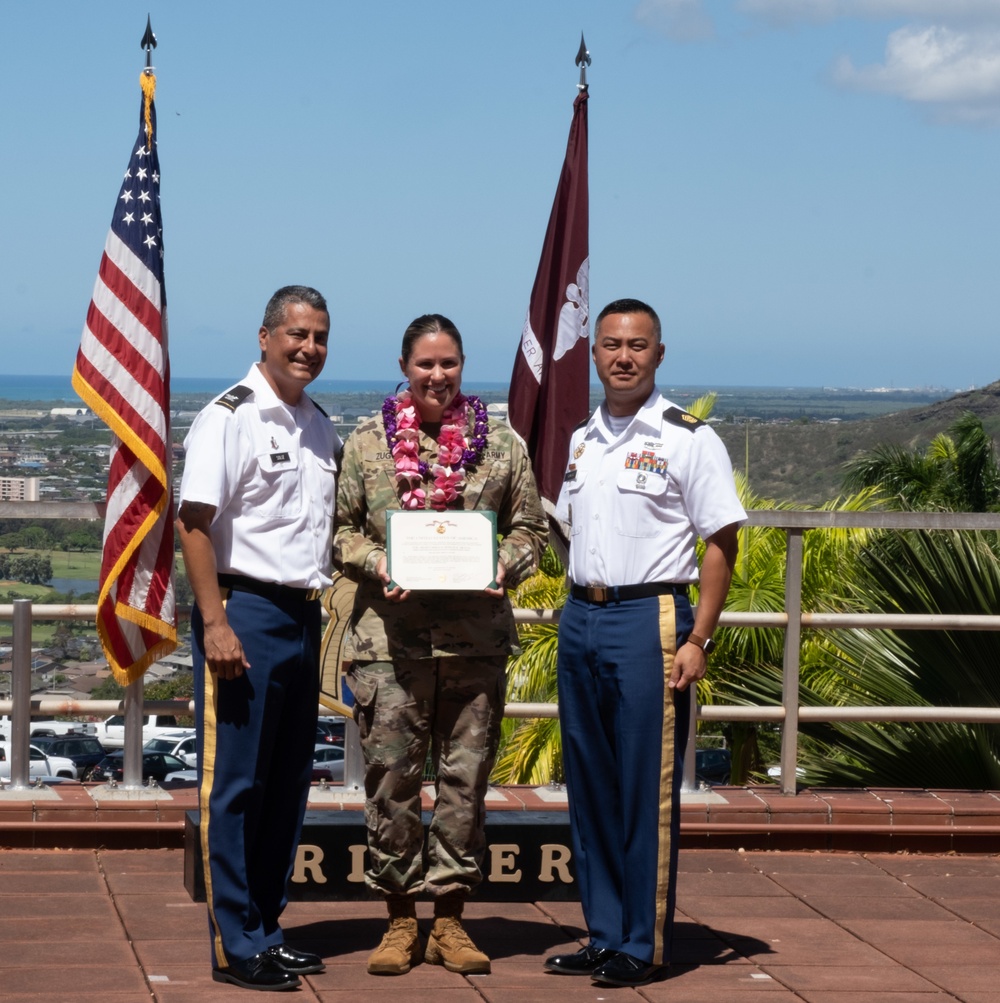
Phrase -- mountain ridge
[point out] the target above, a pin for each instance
(804, 462)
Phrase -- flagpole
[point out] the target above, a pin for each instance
(122, 372)
(583, 61)
(135, 690)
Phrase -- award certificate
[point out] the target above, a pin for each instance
(432, 550)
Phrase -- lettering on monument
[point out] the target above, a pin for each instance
(503, 863)
(308, 865)
(555, 860)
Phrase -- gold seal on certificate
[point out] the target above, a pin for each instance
(432, 550)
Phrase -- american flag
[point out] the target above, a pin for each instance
(122, 372)
(550, 384)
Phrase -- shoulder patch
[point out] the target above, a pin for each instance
(234, 397)
(678, 417)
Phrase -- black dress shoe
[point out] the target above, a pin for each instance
(259, 972)
(624, 970)
(296, 962)
(582, 963)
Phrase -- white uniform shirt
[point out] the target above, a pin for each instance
(637, 502)
(270, 471)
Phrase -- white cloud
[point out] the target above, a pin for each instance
(953, 73)
(681, 20)
(937, 11)
(946, 60)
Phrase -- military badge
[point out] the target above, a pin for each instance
(648, 462)
(678, 417)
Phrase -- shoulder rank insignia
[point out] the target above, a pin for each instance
(234, 397)
(678, 417)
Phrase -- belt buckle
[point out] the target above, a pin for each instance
(598, 593)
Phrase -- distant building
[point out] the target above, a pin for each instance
(19, 488)
(70, 412)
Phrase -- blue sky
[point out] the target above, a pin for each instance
(806, 190)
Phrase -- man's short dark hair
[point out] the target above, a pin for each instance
(630, 306)
(274, 312)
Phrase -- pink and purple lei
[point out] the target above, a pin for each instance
(455, 451)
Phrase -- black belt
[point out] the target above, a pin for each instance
(269, 590)
(619, 593)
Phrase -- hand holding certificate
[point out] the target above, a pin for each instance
(442, 551)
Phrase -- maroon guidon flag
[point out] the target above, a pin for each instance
(123, 374)
(550, 385)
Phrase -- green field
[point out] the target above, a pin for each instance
(19, 590)
(74, 564)
(70, 564)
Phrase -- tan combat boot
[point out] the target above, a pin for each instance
(400, 947)
(450, 945)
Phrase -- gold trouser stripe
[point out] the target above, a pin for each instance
(668, 647)
(211, 705)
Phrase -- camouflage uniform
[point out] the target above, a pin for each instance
(430, 671)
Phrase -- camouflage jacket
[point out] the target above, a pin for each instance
(433, 624)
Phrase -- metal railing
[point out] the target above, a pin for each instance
(793, 620)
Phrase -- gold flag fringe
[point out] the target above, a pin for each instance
(147, 81)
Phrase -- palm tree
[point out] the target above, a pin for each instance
(918, 572)
(531, 748)
(747, 663)
(958, 471)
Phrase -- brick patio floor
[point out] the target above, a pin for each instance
(847, 925)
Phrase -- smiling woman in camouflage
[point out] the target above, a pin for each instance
(428, 668)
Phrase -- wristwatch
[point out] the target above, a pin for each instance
(705, 643)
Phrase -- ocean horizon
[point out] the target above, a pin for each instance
(56, 388)
(60, 388)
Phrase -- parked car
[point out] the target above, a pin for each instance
(83, 750)
(712, 766)
(163, 768)
(183, 744)
(39, 764)
(328, 762)
(46, 726)
(330, 729)
(774, 773)
(111, 732)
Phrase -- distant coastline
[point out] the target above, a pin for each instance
(60, 388)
